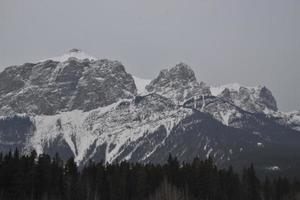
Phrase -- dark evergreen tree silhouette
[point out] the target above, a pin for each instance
(32, 177)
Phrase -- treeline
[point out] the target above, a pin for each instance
(41, 177)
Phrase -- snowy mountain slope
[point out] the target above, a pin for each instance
(221, 109)
(114, 126)
(244, 103)
(148, 128)
(291, 119)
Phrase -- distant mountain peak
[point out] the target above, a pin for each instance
(253, 99)
(217, 90)
(73, 53)
(183, 66)
(178, 83)
(180, 71)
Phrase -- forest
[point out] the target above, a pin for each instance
(42, 177)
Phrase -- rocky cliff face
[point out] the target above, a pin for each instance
(178, 83)
(90, 109)
(50, 87)
(252, 99)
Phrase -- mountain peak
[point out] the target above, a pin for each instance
(253, 99)
(181, 71)
(73, 53)
(217, 90)
(178, 83)
(182, 66)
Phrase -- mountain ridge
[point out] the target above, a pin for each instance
(94, 109)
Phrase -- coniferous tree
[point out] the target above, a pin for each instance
(167, 191)
(251, 184)
(267, 189)
(30, 177)
(70, 180)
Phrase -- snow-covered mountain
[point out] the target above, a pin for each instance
(88, 108)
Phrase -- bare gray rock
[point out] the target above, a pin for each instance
(49, 87)
(178, 83)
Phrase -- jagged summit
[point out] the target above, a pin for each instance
(72, 53)
(234, 87)
(252, 99)
(181, 72)
(217, 90)
(178, 83)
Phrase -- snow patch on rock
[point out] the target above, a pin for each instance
(141, 85)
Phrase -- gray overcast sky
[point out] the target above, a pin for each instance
(247, 41)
